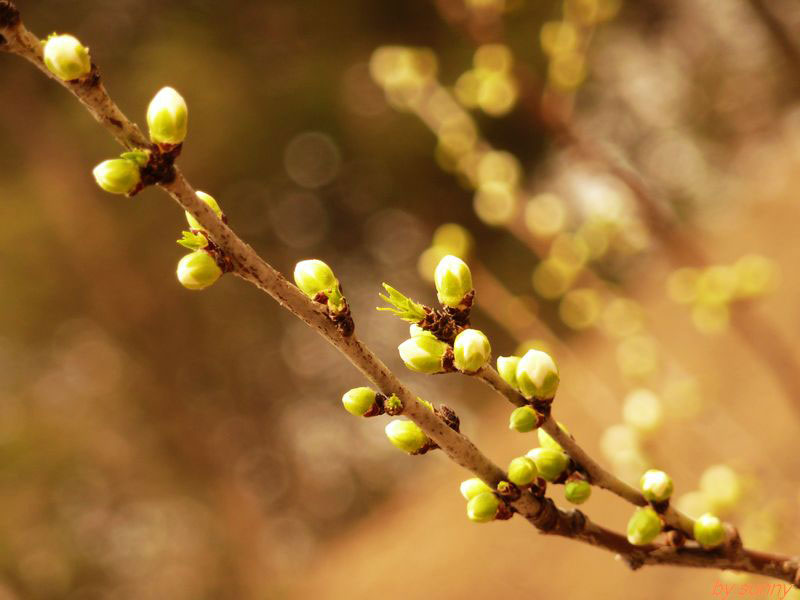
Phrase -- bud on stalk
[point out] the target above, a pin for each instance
(198, 270)
(644, 526)
(537, 375)
(167, 117)
(359, 401)
(483, 508)
(522, 471)
(212, 204)
(424, 354)
(66, 58)
(453, 281)
(471, 351)
(406, 435)
(117, 175)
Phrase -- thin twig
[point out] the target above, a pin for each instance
(541, 512)
(597, 474)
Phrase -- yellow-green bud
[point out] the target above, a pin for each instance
(546, 441)
(314, 276)
(423, 354)
(471, 350)
(415, 330)
(198, 270)
(507, 368)
(550, 463)
(578, 491)
(644, 526)
(523, 419)
(212, 204)
(167, 117)
(359, 401)
(483, 508)
(117, 175)
(66, 58)
(453, 280)
(522, 471)
(472, 487)
(406, 435)
(537, 375)
(709, 531)
(656, 485)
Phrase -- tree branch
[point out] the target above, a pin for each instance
(597, 474)
(541, 512)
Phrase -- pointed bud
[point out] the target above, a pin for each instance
(212, 204)
(359, 401)
(198, 270)
(577, 491)
(656, 485)
(406, 435)
(523, 419)
(423, 354)
(483, 508)
(644, 526)
(453, 281)
(167, 117)
(549, 463)
(471, 350)
(545, 441)
(507, 368)
(472, 487)
(709, 531)
(66, 58)
(537, 375)
(314, 276)
(522, 471)
(117, 176)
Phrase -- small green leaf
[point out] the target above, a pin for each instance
(193, 241)
(402, 306)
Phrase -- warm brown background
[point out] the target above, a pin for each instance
(157, 443)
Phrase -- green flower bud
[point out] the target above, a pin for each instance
(423, 354)
(523, 419)
(406, 435)
(577, 491)
(314, 276)
(453, 280)
(709, 531)
(415, 330)
(212, 204)
(507, 368)
(471, 350)
(550, 463)
(522, 471)
(359, 401)
(472, 487)
(483, 508)
(117, 175)
(656, 485)
(66, 58)
(545, 441)
(537, 375)
(167, 117)
(198, 270)
(644, 526)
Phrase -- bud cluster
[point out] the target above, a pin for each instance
(206, 264)
(167, 119)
